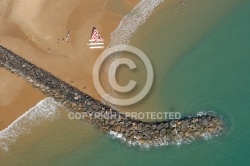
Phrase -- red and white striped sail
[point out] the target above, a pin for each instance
(95, 36)
(95, 40)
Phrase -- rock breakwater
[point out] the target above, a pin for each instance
(109, 120)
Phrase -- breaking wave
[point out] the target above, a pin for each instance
(166, 141)
(130, 23)
(45, 110)
(125, 30)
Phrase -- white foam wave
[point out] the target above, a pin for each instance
(160, 141)
(127, 27)
(132, 21)
(207, 136)
(201, 113)
(45, 110)
(116, 135)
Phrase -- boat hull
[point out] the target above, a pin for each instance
(96, 47)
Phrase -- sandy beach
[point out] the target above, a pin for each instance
(37, 30)
(16, 96)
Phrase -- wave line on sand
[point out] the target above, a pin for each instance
(45, 110)
(127, 27)
(132, 21)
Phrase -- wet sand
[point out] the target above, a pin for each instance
(37, 30)
(16, 97)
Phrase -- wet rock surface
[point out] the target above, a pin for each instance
(109, 120)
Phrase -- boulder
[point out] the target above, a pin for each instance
(159, 126)
(153, 126)
(187, 134)
(172, 124)
(141, 141)
(117, 128)
(184, 125)
(163, 132)
(205, 122)
(197, 133)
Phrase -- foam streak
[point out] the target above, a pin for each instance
(45, 110)
(130, 23)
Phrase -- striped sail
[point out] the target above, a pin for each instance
(95, 40)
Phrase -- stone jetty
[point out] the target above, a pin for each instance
(109, 120)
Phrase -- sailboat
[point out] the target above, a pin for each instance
(95, 40)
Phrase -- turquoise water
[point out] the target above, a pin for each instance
(212, 74)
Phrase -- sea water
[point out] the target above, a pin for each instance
(202, 63)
